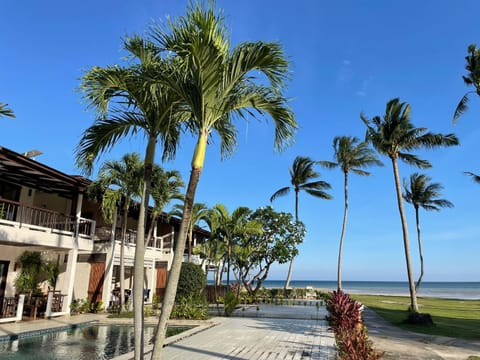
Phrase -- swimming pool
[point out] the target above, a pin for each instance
(99, 342)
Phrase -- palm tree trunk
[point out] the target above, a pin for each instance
(171, 289)
(406, 244)
(138, 271)
(344, 226)
(290, 267)
(417, 218)
(122, 256)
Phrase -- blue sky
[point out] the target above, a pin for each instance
(347, 57)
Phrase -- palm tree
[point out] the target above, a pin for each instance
(5, 111)
(122, 183)
(420, 192)
(200, 212)
(393, 135)
(228, 228)
(350, 155)
(303, 178)
(165, 188)
(125, 107)
(471, 79)
(216, 84)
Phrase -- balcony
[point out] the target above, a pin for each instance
(32, 225)
(158, 243)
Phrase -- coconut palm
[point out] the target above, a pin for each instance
(200, 212)
(217, 84)
(422, 193)
(350, 155)
(302, 178)
(471, 79)
(393, 135)
(121, 181)
(125, 107)
(5, 111)
(165, 188)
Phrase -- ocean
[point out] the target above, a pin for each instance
(451, 290)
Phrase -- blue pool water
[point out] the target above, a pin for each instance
(97, 342)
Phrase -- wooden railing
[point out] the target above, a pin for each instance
(8, 307)
(31, 216)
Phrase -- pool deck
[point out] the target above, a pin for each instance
(271, 332)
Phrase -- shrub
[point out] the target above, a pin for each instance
(350, 334)
(230, 302)
(192, 280)
(192, 307)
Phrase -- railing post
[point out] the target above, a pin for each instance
(48, 311)
(21, 302)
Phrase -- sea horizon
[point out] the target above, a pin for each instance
(466, 290)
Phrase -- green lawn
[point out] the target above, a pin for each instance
(454, 318)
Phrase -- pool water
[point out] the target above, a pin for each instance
(84, 343)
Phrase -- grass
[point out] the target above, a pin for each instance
(451, 317)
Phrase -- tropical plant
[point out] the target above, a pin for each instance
(420, 192)
(303, 178)
(200, 213)
(471, 79)
(126, 107)
(165, 188)
(35, 269)
(5, 111)
(350, 155)
(394, 136)
(216, 84)
(121, 184)
(228, 228)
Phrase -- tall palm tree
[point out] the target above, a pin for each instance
(350, 155)
(165, 188)
(302, 178)
(421, 192)
(217, 84)
(471, 79)
(393, 135)
(122, 183)
(5, 111)
(125, 107)
(200, 212)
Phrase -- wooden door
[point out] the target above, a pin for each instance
(3, 277)
(162, 276)
(95, 285)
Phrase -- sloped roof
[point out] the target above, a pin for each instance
(19, 169)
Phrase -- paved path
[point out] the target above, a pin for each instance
(272, 332)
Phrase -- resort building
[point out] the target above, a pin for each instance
(46, 211)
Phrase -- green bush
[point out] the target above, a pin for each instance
(192, 280)
(230, 302)
(192, 307)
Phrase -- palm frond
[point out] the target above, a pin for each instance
(281, 192)
(414, 160)
(461, 108)
(475, 177)
(5, 111)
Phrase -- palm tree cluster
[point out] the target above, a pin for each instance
(6, 111)
(182, 78)
(185, 77)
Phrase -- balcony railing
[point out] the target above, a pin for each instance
(12, 212)
(163, 243)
